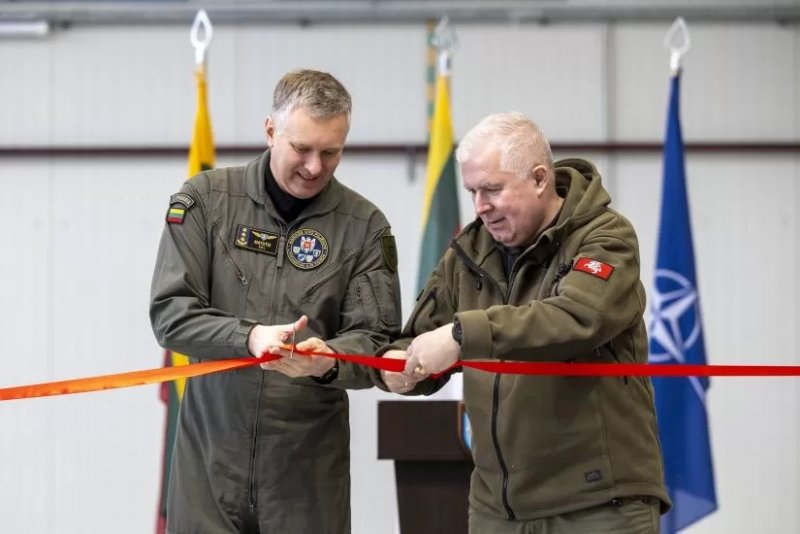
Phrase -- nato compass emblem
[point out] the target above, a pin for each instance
(307, 249)
(674, 324)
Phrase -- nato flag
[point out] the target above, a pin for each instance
(676, 336)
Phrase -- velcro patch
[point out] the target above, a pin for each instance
(595, 268)
(257, 240)
(389, 252)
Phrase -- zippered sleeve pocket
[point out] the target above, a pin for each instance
(387, 302)
(370, 305)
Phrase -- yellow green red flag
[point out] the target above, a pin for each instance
(201, 157)
(440, 212)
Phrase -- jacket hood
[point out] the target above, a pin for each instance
(578, 180)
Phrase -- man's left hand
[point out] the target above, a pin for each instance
(296, 365)
(432, 352)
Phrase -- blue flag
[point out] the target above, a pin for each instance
(676, 336)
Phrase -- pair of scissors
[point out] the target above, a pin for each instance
(289, 341)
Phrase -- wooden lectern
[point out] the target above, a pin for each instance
(432, 465)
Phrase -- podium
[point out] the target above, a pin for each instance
(431, 463)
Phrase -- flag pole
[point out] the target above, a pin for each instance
(201, 156)
(440, 214)
(201, 151)
(675, 328)
(441, 220)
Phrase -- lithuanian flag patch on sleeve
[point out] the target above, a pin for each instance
(176, 215)
(178, 204)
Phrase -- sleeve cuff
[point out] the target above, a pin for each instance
(398, 344)
(476, 341)
(242, 334)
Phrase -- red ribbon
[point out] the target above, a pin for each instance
(164, 374)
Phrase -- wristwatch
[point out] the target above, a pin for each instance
(329, 376)
(458, 332)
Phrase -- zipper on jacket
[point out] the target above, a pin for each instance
(239, 273)
(281, 247)
(496, 390)
(332, 272)
(503, 468)
(252, 482)
(480, 273)
(563, 270)
(285, 229)
(360, 301)
(496, 408)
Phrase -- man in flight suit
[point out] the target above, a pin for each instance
(245, 252)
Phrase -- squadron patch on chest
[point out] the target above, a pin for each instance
(307, 249)
(593, 267)
(256, 240)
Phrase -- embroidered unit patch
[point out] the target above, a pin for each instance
(257, 240)
(182, 198)
(307, 249)
(593, 267)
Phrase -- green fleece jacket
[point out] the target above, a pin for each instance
(545, 445)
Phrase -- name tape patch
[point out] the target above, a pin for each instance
(181, 198)
(256, 240)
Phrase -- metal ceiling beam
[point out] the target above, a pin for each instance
(307, 12)
(410, 150)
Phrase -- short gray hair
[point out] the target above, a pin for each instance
(520, 142)
(319, 93)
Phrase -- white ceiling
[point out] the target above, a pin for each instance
(394, 11)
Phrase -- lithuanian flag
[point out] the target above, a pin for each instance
(201, 157)
(440, 213)
(201, 152)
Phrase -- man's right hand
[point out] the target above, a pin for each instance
(397, 382)
(263, 338)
